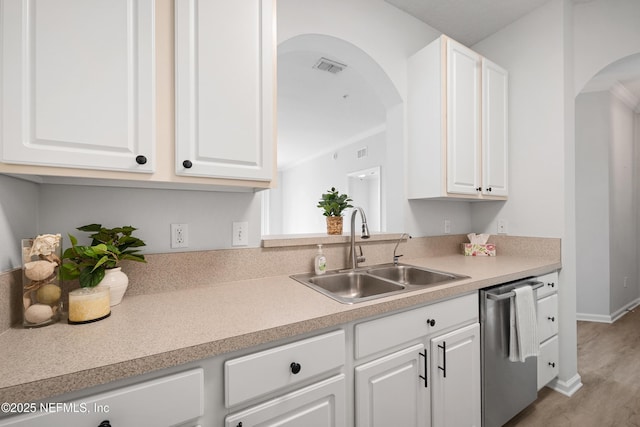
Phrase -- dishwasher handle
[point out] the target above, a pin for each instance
(535, 284)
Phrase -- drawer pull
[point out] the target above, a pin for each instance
(295, 368)
(105, 423)
(443, 368)
(426, 368)
(551, 284)
(239, 424)
(431, 322)
(552, 364)
(552, 318)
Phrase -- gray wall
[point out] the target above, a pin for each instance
(19, 201)
(606, 202)
(27, 209)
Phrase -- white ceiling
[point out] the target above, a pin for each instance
(467, 21)
(319, 111)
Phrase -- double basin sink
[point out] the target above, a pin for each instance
(352, 286)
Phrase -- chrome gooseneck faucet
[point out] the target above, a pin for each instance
(365, 235)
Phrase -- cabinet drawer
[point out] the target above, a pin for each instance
(320, 404)
(166, 401)
(548, 361)
(387, 332)
(550, 284)
(547, 317)
(259, 373)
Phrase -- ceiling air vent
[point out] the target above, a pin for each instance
(333, 67)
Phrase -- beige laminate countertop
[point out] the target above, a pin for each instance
(155, 331)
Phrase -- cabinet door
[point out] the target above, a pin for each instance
(548, 367)
(225, 70)
(547, 317)
(78, 83)
(390, 392)
(319, 405)
(494, 129)
(463, 119)
(455, 393)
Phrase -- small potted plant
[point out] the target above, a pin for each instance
(333, 204)
(99, 263)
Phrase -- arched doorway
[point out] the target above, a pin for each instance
(338, 113)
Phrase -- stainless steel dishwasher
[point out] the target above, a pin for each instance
(507, 387)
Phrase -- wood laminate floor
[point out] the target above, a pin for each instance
(609, 365)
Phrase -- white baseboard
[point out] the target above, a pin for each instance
(603, 318)
(568, 388)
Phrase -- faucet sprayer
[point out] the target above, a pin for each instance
(397, 257)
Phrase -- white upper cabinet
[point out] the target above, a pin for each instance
(463, 119)
(225, 88)
(457, 124)
(78, 84)
(495, 136)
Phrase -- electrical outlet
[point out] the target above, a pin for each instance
(240, 234)
(447, 226)
(179, 235)
(502, 226)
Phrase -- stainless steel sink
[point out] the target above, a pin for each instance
(349, 287)
(379, 281)
(410, 275)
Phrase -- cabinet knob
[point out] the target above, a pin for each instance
(187, 164)
(239, 424)
(489, 189)
(552, 364)
(431, 322)
(295, 368)
(551, 284)
(479, 189)
(552, 318)
(141, 160)
(105, 423)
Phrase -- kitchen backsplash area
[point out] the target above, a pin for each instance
(175, 271)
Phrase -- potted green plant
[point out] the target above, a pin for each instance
(333, 204)
(99, 262)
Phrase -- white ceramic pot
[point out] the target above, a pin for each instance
(117, 281)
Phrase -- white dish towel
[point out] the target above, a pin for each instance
(523, 340)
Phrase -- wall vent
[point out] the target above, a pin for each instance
(333, 67)
(362, 153)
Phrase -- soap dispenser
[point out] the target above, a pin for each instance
(320, 263)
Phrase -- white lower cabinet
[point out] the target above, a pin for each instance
(167, 401)
(548, 361)
(389, 392)
(548, 367)
(431, 380)
(319, 405)
(455, 377)
(271, 374)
